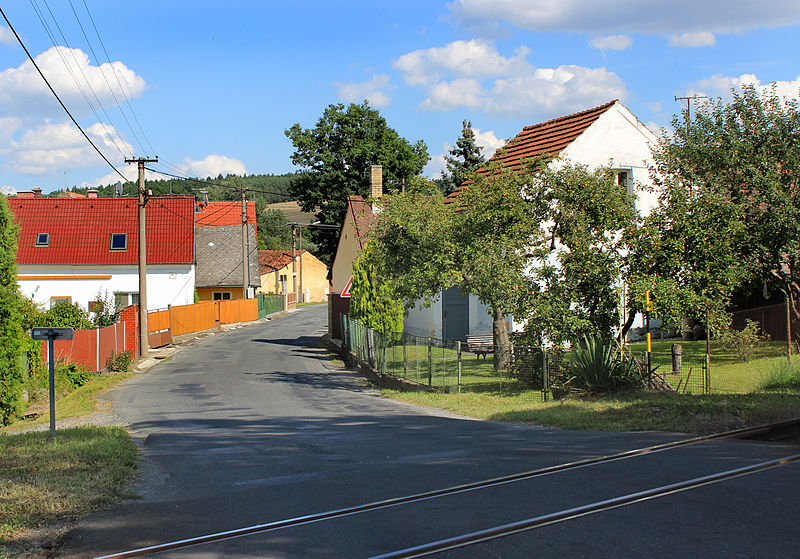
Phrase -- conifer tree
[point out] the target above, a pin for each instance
(10, 318)
(465, 158)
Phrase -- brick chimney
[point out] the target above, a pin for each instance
(376, 181)
(92, 193)
(37, 192)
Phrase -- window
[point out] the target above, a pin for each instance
(119, 241)
(222, 295)
(122, 300)
(56, 300)
(42, 239)
(283, 283)
(625, 179)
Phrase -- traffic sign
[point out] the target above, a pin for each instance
(347, 288)
(52, 333)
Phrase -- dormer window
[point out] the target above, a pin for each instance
(42, 239)
(119, 242)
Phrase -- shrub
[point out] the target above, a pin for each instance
(66, 315)
(120, 362)
(599, 367)
(742, 343)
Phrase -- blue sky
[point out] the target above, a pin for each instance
(215, 84)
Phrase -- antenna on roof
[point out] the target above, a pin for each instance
(689, 103)
(118, 189)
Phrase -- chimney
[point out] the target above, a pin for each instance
(376, 181)
(92, 193)
(37, 192)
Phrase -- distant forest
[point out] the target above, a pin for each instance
(273, 230)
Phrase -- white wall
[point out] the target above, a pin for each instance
(618, 140)
(166, 284)
(424, 321)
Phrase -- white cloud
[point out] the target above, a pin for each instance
(474, 75)
(721, 86)
(8, 190)
(372, 90)
(612, 42)
(213, 165)
(23, 93)
(474, 59)
(49, 148)
(696, 39)
(436, 165)
(7, 37)
(488, 141)
(614, 16)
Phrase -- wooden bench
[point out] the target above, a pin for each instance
(480, 344)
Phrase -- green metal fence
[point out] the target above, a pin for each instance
(268, 304)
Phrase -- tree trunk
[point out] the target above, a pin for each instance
(502, 345)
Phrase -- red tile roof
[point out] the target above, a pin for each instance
(273, 260)
(550, 137)
(223, 213)
(80, 229)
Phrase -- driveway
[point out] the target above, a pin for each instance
(256, 424)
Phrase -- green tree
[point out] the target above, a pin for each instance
(578, 259)
(11, 334)
(274, 232)
(334, 158)
(66, 315)
(464, 159)
(373, 302)
(742, 159)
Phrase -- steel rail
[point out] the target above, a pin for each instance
(454, 490)
(495, 532)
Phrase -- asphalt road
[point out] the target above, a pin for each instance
(255, 425)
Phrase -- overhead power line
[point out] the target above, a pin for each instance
(207, 183)
(53, 91)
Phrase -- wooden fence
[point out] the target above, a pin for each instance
(92, 348)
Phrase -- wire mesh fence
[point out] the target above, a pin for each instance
(449, 366)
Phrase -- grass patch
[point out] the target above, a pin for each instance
(78, 472)
(80, 401)
(782, 376)
(635, 411)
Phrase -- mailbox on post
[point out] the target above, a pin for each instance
(51, 333)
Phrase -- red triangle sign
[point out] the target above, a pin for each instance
(347, 288)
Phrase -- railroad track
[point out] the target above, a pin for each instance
(776, 431)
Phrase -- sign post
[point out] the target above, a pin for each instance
(50, 334)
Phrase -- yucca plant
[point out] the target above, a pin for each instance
(599, 367)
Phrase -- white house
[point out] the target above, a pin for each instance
(608, 135)
(78, 248)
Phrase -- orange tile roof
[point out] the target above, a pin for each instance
(273, 260)
(550, 137)
(80, 229)
(223, 213)
(363, 217)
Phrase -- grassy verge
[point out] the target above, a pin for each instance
(45, 480)
(80, 401)
(631, 412)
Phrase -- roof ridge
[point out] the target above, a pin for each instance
(604, 107)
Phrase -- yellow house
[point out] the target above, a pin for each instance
(277, 273)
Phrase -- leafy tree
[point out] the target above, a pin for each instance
(578, 259)
(66, 315)
(274, 232)
(11, 334)
(425, 245)
(464, 159)
(335, 156)
(742, 158)
(373, 301)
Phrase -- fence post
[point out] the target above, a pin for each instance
(545, 375)
(405, 355)
(458, 357)
(430, 360)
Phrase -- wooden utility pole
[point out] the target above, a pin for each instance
(144, 344)
(245, 260)
(302, 298)
(294, 259)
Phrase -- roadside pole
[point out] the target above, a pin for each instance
(52, 334)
